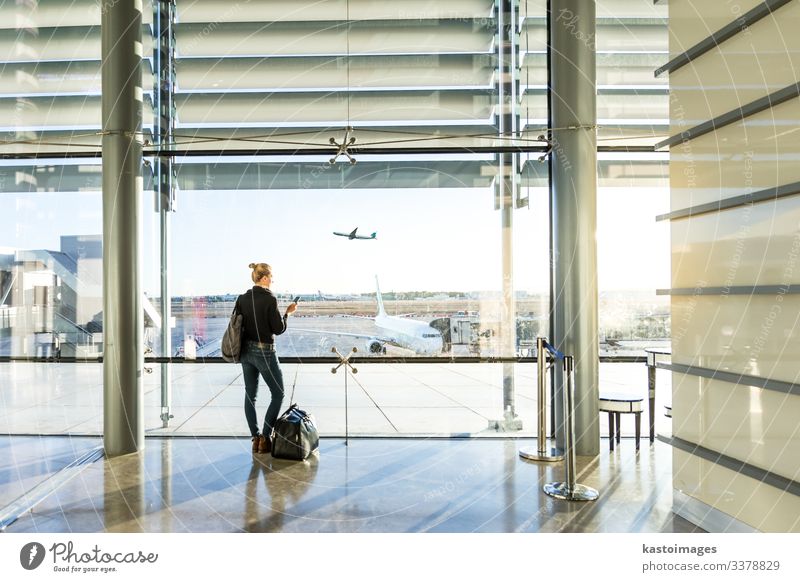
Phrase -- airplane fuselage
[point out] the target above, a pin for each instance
(353, 236)
(414, 335)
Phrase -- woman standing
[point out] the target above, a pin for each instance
(261, 322)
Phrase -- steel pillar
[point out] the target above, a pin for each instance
(123, 344)
(163, 172)
(573, 200)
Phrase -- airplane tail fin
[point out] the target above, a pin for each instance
(373, 235)
(381, 310)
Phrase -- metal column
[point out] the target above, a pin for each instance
(123, 348)
(573, 200)
(507, 184)
(163, 172)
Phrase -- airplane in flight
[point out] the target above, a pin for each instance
(354, 236)
(417, 336)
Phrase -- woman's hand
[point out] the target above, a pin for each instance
(291, 309)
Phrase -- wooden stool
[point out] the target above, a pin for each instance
(615, 404)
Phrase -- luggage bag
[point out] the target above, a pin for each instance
(295, 435)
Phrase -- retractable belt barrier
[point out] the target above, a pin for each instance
(542, 453)
(569, 489)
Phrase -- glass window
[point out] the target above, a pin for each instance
(436, 253)
(263, 95)
(50, 261)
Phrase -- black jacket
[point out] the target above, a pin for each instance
(261, 320)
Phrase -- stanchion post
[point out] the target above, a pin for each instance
(651, 393)
(541, 453)
(569, 422)
(569, 489)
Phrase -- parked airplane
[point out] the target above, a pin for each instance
(353, 235)
(323, 297)
(416, 335)
(402, 332)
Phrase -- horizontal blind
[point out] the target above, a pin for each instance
(264, 73)
(400, 73)
(50, 81)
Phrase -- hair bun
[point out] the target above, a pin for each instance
(252, 265)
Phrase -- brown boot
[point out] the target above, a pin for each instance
(264, 444)
(256, 440)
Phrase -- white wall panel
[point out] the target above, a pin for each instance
(762, 151)
(757, 504)
(744, 68)
(755, 335)
(694, 20)
(747, 423)
(750, 245)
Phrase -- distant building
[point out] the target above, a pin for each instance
(51, 301)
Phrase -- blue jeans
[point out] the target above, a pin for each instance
(256, 361)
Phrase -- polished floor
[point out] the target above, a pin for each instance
(372, 485)
(383, 399)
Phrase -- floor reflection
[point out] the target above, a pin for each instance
(124, 482)
(285, 482)
(372, 485)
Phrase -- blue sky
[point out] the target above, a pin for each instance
(433, 239)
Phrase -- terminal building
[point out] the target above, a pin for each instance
(592, 204)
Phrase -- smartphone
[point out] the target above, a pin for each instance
(296, 299)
